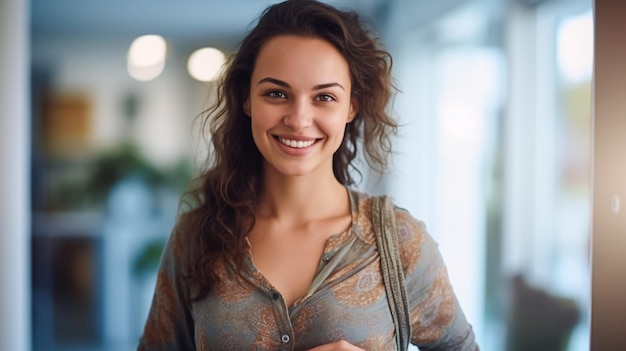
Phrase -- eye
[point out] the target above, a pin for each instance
(325, 98)
(276, 94)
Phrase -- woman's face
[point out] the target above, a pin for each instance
(299, 104)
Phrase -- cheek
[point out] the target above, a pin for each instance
(261, 122)
(258, 137)
(259, 117)
(258, 129)
(334, 123)
(264, 114)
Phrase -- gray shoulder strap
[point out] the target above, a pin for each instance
(384, 221)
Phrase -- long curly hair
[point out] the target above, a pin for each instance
(226, 194)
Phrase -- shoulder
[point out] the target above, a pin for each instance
(182, 231)
(182, 239)
(413, 237)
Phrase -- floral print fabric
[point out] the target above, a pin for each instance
(346, 300)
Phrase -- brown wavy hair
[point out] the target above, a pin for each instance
(224, 201)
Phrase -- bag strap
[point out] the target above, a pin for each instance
(384, 221)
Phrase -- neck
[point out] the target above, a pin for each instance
(303, 198)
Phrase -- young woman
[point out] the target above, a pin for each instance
(277, 252)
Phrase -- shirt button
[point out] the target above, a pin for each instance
(327, 258)
(285, 338)
(275, 296)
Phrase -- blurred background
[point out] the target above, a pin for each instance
(494, 155)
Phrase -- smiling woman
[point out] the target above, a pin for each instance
(278, 252)
(299, 105)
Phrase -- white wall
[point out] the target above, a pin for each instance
(14, 177)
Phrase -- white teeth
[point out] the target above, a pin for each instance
(298, 144)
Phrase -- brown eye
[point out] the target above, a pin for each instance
(277, 94)
(325, 97)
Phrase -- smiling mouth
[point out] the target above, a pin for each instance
(296, 144)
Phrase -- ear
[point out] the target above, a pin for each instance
(354, 109)
(246, 107)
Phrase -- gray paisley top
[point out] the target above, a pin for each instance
(346, 299)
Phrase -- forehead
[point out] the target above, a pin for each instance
(301, 58)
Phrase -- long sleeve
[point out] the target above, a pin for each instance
(169, 325)
(437, 320)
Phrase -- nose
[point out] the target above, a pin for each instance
(299, 115)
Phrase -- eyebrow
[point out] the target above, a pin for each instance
(286, 85)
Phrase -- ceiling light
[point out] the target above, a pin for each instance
(146, 57)
(206, 64)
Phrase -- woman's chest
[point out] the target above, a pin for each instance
(354, 308)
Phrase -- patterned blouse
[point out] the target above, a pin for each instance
(346, 300)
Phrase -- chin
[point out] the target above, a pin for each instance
(294, 171)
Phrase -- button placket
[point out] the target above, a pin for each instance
(282, 318)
